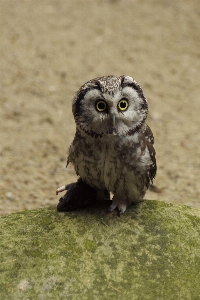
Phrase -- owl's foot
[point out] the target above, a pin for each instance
(120, 203)
(121, 208)
(79, 195)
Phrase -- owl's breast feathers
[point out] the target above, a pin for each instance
(102, 161)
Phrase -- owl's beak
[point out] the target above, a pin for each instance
(114, 131)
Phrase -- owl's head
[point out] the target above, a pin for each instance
(110, 105)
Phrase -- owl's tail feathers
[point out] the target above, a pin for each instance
(78, 195)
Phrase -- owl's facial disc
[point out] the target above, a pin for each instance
(110, 105)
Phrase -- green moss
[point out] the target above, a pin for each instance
(151, 252)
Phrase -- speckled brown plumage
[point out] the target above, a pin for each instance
(113, 148)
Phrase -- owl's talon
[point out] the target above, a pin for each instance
(121, 208)
(119, 212)
(109, 210)
(112, 207)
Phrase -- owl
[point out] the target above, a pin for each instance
(112, 151)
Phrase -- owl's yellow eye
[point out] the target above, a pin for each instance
(101, 105)
(122, 104)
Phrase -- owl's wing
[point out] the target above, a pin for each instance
(69, 156)
(149, 138)
(74, 150)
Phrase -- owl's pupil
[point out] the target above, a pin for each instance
(101, 105)
(123, 104)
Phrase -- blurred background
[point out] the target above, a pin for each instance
(49, 48)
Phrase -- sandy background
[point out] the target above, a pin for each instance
(48, 49)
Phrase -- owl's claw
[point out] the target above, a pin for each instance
(119, 212)
(112, 207)
(120, 208)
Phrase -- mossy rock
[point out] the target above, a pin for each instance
(150, 252)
